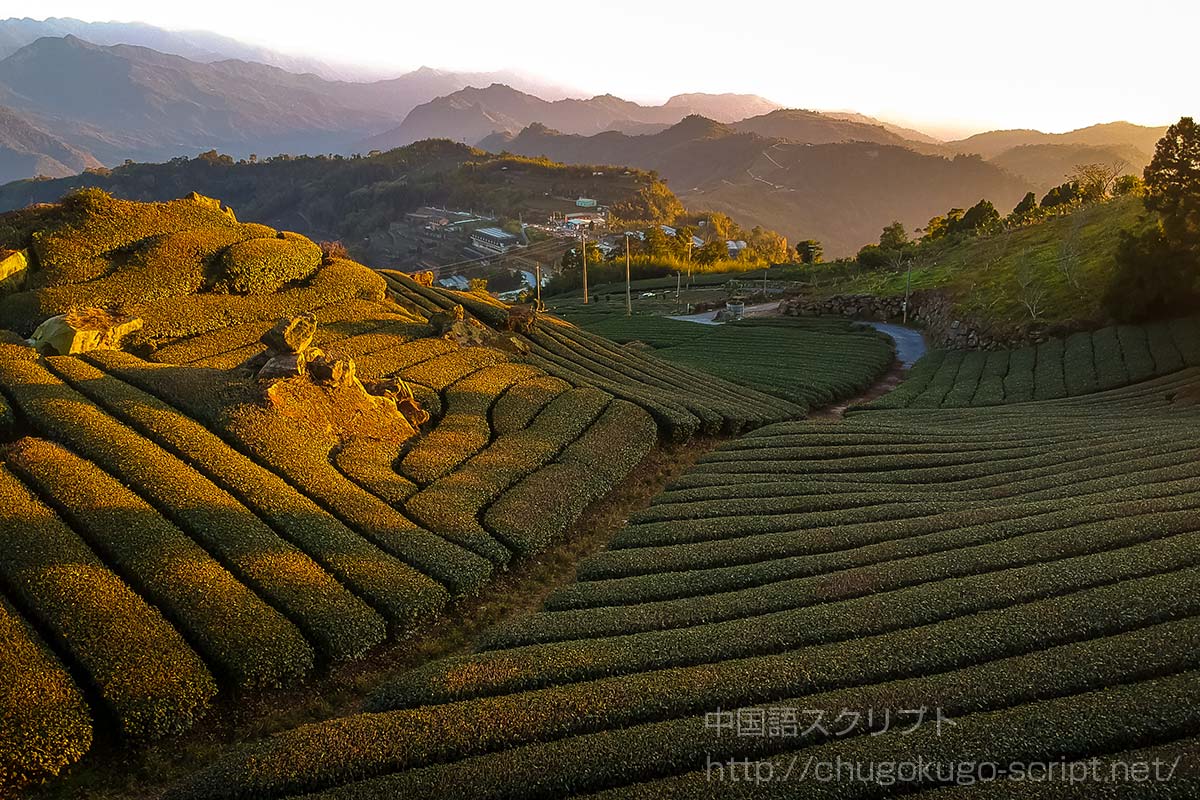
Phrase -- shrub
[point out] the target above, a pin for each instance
(245, 640)
(151, 680)
(341, 624)
(300, 455)
(262, 266)
(465, 430)
(94, 226)
(518, 406)
(168, 265)
(175, 317)
(991, 661)
(543, 505)
(454, 502)
(1079, 365)
(1135, 352)
(1048, 378)
(44, 723)
(406, 597)
(1020, 384)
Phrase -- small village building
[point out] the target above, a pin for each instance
(493, 240)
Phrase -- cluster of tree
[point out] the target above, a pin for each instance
(1158, 270)
(355, 199)
(1091, 183)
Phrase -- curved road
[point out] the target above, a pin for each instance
(910, 343)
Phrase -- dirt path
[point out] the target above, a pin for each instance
(884, 385)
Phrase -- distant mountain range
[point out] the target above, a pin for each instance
(810, 176)
(77, 95)
(200, 46)
(26, 150)
(471, 115)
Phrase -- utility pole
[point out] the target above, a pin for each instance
(628, 288)
(678, 276)
(537, 266)
(907, 290)
(583, 254)
(689, 263)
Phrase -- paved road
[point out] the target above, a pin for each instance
(910, 343)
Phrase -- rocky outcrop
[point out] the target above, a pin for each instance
(521, 319)
(82, 330)
(14, 267)
(291, 334)
(303, 382)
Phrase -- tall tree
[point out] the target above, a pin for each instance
(1158, 270)
(810, 251)
(894, 237)
(1173, 183)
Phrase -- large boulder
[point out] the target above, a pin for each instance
(82, 330)
(14, 267)
(291, 334)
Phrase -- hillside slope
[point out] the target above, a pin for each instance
(1111, 134)
(840, 192)
(26, 150)
(1025, 575)
(357, 200)
(1062, 265)
(231, 510)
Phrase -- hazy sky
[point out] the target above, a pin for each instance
(949, 66)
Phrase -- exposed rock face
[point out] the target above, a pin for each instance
(521, 320)
(304, 383)
(291, 334)
(443, 321)
(81, 330)
(401, 393)
(14, 267)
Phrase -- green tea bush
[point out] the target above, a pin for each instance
(244, 639)
(86, 241)
(150, 679)
(44, 722)
(542, 506)
(403, 595)
(1049, 382)
(176, 317)
(300, 455)
(518, 406)
(262, 266)
(465, 429)
(454, 503)
(338, 622)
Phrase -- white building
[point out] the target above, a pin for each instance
(493, 240)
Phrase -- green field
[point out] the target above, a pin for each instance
(1030, 570)
(810, 361)
(1083, 363)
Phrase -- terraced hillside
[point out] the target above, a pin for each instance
(171, 538)
(1081, 364)
(1029, 570)
(810, 361)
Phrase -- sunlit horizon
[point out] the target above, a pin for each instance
(936, 66)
